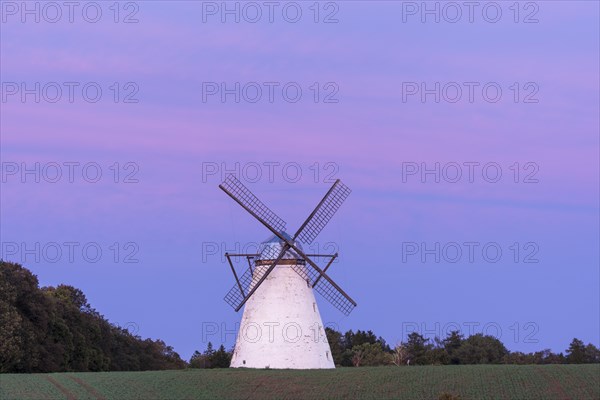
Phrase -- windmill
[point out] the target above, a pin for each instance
(281, 326)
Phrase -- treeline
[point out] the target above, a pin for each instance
(54, 329)
(365, 349)
(211, 358)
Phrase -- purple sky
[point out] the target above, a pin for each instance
(175, 215)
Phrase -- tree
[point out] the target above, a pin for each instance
(592, 354)
(400, 355)
(438, 355)
(576, 352)
(198, 360)
(451, 344)
(335, 344)
(418, 347)
(553, 358)
(220, 358)
(208, 355)
(518, 358)
(545, 356)
(69, 296)
(358, 354)
(209, 350)
(56, 330)
(11, 346)
(342, 345)
(480, 349)
(370, 354)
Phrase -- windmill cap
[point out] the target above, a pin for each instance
(271, 247)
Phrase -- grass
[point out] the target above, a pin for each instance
(529, 382)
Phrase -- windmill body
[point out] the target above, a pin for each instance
(281, 326)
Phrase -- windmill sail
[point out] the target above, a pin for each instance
(240, 193)
(321, 215)
(314, 224)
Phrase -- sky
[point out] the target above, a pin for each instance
(469, 138)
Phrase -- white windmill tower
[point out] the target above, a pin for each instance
(281, 326)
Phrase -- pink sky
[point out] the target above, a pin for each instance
(368, 134)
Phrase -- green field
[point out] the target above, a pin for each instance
(542, 382)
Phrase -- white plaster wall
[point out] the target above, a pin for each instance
(281, 326)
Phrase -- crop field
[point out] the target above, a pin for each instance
(542, 382)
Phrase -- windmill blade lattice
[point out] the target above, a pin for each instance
(323, 212)
(325, 289)
(235, 297)
(320, 281)
(251, 276)
(246, 198)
